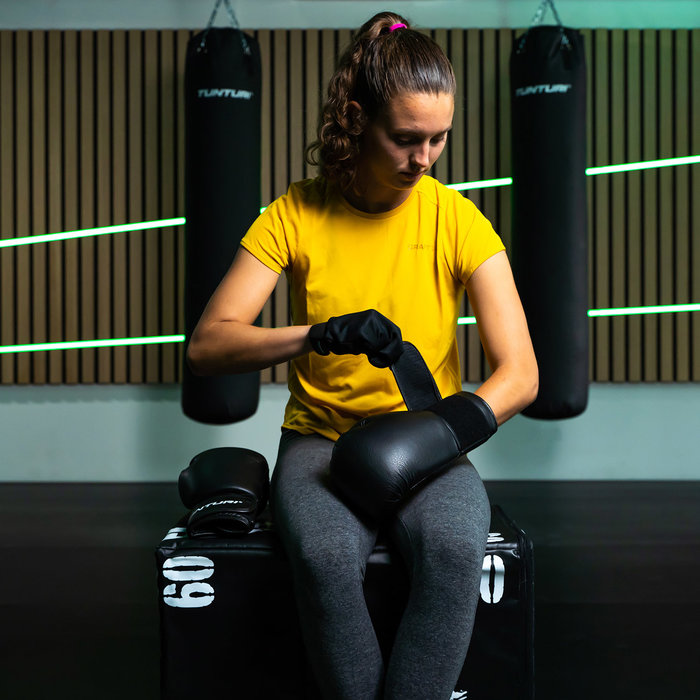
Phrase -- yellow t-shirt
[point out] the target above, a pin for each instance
(410, 264)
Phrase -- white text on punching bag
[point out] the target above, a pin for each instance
(225, 92)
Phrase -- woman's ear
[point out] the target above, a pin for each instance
(354, 114)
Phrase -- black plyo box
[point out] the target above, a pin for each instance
(229, 626)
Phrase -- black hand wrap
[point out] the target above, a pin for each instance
(367, 332)
(227, 489)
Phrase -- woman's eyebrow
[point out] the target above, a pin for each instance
(417, 132)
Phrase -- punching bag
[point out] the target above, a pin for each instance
(549, 215)
(222, 196)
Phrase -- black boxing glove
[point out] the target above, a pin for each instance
(227, 489)
(367, 332)
(382, 459)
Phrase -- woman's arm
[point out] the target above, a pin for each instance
(504, 335)
(225, 341)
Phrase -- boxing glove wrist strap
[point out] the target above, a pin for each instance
(469, 417)
(414, 379)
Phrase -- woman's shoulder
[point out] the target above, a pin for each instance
(441, 196)
(309, 192)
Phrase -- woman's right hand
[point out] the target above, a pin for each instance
(367, 332)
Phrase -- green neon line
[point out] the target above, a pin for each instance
(83, 233)
(643, 165)
(180, 338)
(622, 311)
(481, 184)
(461, 186)
(639, 310)
(602, 170)
(83, 344)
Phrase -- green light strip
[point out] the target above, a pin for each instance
(84, 233)
(180, 338)
(639, 310)
(602, 170)
(643, 165)
(622, 311)
(83, 344)
(481, 184)
(461, 186)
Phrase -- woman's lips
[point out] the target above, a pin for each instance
(412, 176)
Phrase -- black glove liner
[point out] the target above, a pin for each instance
(366, 332)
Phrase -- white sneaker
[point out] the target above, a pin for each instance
(459, 695)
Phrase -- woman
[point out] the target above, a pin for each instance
(387, 252)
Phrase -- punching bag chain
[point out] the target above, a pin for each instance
(234, 24)
(537, 19)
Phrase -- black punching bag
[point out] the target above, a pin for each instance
(222, 196)
(549, 234)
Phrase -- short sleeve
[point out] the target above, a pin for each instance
(267, 238)
(477, 241)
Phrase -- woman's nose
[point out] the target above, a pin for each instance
(420, 158)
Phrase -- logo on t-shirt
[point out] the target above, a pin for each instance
(421, 246)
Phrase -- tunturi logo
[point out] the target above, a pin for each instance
(225, 92)
(542, 89)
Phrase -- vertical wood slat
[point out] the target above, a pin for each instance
(167, 185)
(71, 193)
(650, 202)
(616, 252)
(55, 278)
(38, 209)
(680, 206)
(151, 196)
(90, 134)
(134, 306)
(118, 148)
(312, 92)
(7, 203)
(103, 199)
(694, 119)
(666, 233)
(601, 203)
(23, 198)
(183, 38)
(87, 202)
(633, 220)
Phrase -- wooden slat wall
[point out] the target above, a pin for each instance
(91, 134)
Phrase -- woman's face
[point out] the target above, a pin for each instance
(403, 142)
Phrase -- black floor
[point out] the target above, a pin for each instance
(617, 587)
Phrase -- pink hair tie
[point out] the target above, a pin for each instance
(398, 25)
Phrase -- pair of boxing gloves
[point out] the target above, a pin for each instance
(375, 465)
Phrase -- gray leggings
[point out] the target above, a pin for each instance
(441, 532)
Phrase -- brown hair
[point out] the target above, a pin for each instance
(378, 65)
